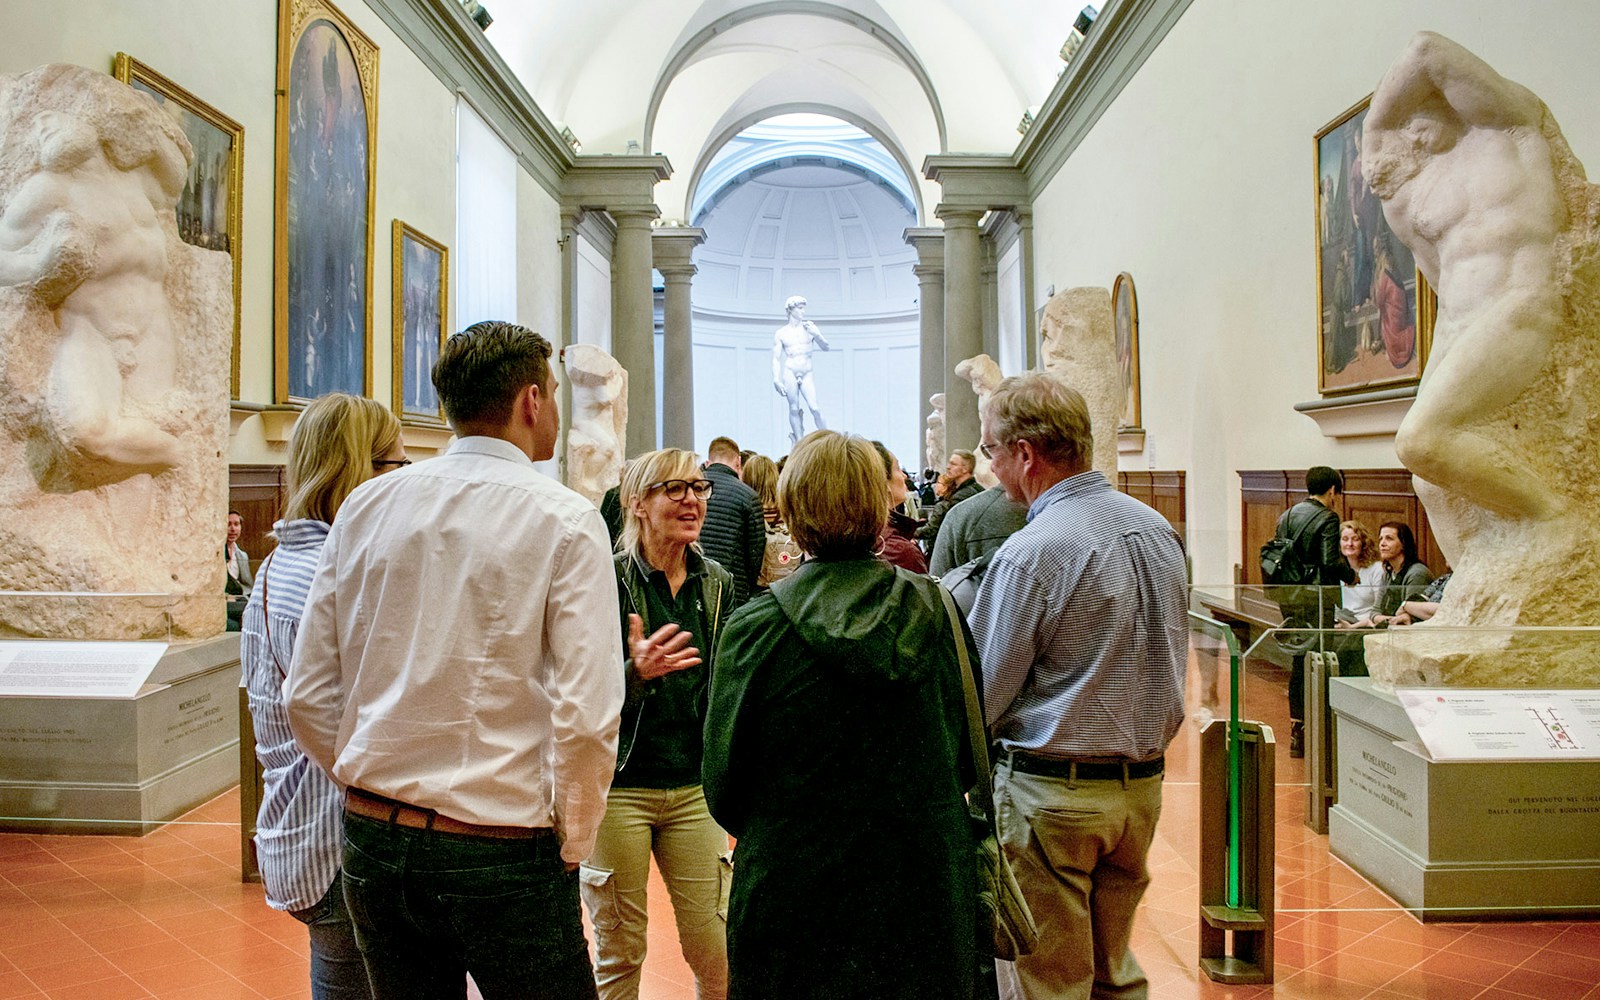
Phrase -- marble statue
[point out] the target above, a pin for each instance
(1079, 346)
(114, 362)
(598, 432)
(984, 375)
(1477, 179)
(792, 347)
(933, 437)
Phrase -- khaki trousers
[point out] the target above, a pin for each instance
(692, 853)
(1078, 850)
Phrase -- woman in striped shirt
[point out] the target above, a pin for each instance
(339, 442)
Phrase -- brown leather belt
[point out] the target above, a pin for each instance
(364, 803)
(1102, 769)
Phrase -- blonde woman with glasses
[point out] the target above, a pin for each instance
(674, 602)
(339, 442)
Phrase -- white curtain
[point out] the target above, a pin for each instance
(485, 262)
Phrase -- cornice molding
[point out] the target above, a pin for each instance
(975, 182)
(618, 184)
(455, 50)
(1122, 38)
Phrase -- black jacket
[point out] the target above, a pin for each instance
(734, 533)
(1314, 529)
(928, 532)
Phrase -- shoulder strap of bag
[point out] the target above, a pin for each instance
(266, 618)
(976, 734)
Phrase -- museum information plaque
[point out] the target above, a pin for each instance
(38, 668)
(1510, 724)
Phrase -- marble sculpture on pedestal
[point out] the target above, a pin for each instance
(114, 362)
(1079, 346)
(933, 437)
(984, 375)
(792, 347)
(1478, 181)
(598, 432)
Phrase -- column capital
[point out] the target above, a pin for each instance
(928, 272)
(634, 216)
(673, 248)
(958, 216)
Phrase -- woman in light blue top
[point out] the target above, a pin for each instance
(339, 442)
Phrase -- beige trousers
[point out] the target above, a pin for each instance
(692, 853)
(1078, 850)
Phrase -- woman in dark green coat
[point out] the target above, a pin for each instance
(834, 753)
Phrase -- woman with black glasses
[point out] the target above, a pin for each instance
(674, 602)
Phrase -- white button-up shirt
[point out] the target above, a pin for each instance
(460, 650)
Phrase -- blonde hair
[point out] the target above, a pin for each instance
(1045, 412)
(761, 475)
(1369, 545)
(331, 451)
(831, 495)
(651, 467)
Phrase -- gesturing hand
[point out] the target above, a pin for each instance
(666, 650)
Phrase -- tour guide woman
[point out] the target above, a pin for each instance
(674, 603)
(338, 443)
(835, 751)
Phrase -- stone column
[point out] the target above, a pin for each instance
(674, 249)
(963, 322)
(633, 322)
(568, 331)
(929, 269)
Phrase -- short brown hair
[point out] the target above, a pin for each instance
(832, 497)
(761, 475)
(331, 450)
(1045, 412)
(481, 370)
(722, 447)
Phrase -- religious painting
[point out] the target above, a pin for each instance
(1125, 310)
(1374, 310)
(327, 153)
(420, 318)
(211, 208)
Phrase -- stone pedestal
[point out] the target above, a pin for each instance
(1463, 840)
(124, 765)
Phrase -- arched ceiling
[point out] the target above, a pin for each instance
(678, 76)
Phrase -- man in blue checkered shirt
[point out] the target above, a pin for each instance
(1081, 627)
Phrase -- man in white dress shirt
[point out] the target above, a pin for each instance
(451, 671)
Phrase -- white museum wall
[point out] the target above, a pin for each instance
(1198, 181)
(227, 57)
(593, 313)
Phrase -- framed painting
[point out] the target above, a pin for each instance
(211, 207)
(1374, 309)
(421, 322)
(1125, 310)
(323, 241)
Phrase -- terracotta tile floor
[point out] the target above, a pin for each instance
(165, 916)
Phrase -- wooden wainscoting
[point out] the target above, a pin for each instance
(258, 493)
(1163, 491)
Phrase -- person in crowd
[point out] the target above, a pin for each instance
(959, 485)
(450, 674)
(733, 533)
(236, 585)
(835, 755)
(1360, 550)
(1312, 529)
(782, 555)
(1405, 574)
(976, 528)
(1081, 626)
(895, 545)
(674, 604)
(338, 443)
(1425, 605)
(611, 510)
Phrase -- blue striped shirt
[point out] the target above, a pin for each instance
(1081, 626)
(300, 829)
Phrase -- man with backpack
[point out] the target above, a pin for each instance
(1302, 558)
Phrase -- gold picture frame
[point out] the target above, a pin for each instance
(322, 260)
(1373, 332)
(1125, 323)
(420, 320)
(207, 218)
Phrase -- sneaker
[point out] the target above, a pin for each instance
(1297, 739)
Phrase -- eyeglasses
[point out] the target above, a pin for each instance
(987, 451)
(677, 489)
(398, 463)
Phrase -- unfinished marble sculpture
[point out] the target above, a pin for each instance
(933, 437)
(598, 432)
(114, 343)
(1478, 181)
(984, 376)
(1079, 346)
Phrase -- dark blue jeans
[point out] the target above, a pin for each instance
(431, 907)
(337, 972)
